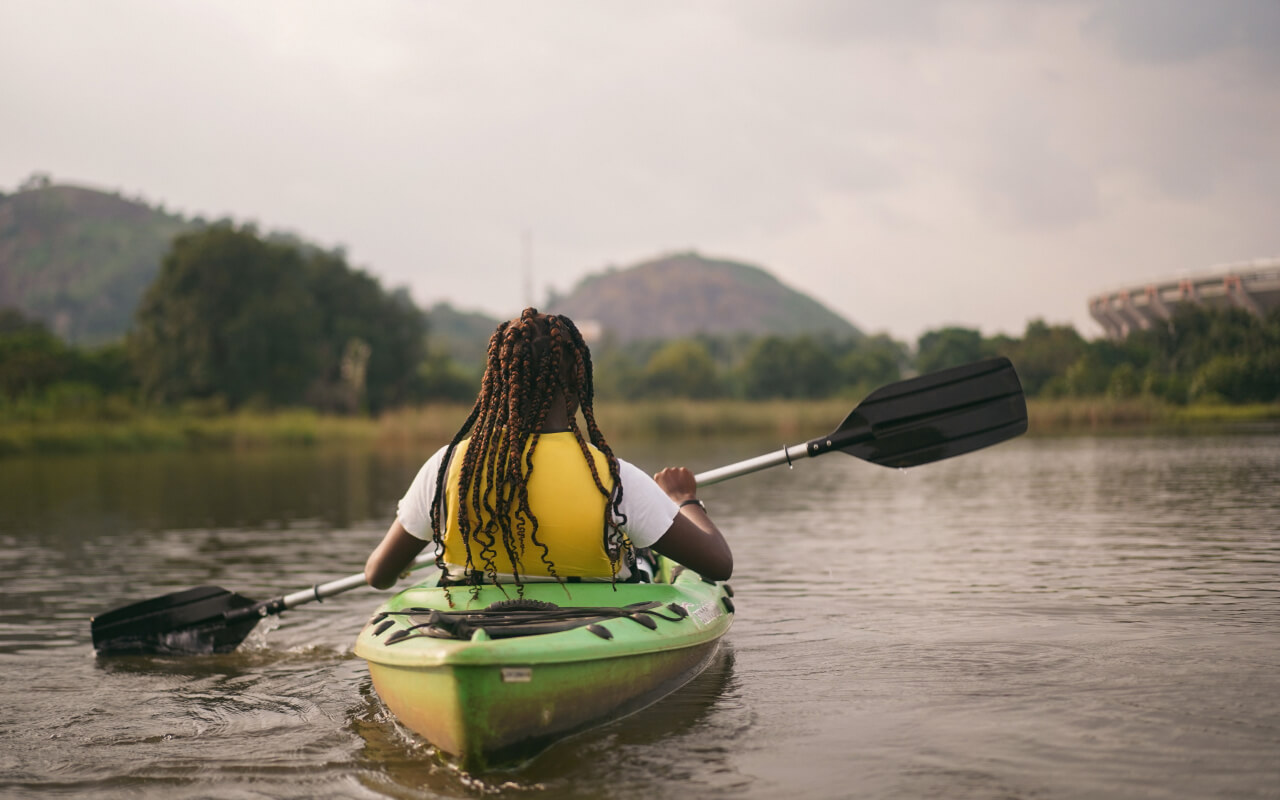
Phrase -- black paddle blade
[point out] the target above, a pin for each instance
(934, 416)
(186, 622)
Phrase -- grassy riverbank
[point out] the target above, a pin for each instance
(792, 421)
(182, 432)
(1103, 415)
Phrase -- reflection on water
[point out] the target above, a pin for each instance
(117, 493)
(664, 739)
(1083, 617)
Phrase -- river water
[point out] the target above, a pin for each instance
(1050, 618)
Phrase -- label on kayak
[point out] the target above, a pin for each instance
(517, 674)
(704, 613)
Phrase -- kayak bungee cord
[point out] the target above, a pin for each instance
(503, 620)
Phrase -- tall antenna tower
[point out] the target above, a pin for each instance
(527, 247)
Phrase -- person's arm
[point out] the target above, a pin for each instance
(693, 539)
(392, 557)
(399, 547)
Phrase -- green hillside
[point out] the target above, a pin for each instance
(462, 335)
(79, 259)
(686, 294)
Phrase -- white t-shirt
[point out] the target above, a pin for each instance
(648, 510)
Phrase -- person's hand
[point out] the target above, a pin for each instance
(678, 483)
(693, 538)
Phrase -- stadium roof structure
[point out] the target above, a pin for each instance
(1251, 285)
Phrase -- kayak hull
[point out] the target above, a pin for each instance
(471, 714)
(488, 702)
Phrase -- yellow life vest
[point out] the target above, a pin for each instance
(564, 498)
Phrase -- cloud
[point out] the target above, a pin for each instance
(930, 139)
(1032, 183)
(842, 22)
(1184, 30)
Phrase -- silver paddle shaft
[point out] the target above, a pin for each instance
(322, 590)
(787, 455)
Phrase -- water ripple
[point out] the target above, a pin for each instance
(1049, 618)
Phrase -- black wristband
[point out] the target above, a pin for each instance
(694, 502)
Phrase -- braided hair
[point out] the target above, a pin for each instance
(531, 360)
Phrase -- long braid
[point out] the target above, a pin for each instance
(516, 434)
(478, 416)
(528, 361)
(614, 542)
(537, 398)
(490, 455)
(439, 512)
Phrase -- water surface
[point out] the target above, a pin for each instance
(1051, 618)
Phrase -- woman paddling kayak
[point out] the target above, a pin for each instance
(520, 494)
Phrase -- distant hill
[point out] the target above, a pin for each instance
(463, 335)
(666, 298)
(79, 259)
(685, 294)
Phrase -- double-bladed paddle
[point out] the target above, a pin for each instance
(904, 424)
(206, 619)
(916, 421)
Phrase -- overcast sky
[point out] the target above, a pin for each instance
(910, 165)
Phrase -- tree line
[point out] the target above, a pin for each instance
(1201, 355)
(233, 320)
(236, 320)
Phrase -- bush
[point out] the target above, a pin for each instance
(682, 368)
(1123, 382)
(775, 367)
(443, 380)
(1239, 378)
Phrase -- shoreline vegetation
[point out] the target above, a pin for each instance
(431, 425)
(244, 341)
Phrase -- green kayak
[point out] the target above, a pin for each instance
(490, 678)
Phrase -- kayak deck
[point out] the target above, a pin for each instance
(496, 696)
